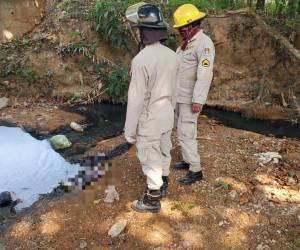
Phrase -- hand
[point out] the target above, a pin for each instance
(197, 107)
(130, 139)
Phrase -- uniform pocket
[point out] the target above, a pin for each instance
(188, 127)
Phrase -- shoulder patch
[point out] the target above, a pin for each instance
(206, 51)
(205, 63)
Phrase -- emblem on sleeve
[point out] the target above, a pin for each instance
(205, 63)
(206, 51)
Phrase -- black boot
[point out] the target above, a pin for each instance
(191, 177)
(180, 165)
(149, 203)
(163, 189)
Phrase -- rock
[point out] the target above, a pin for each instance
(117, 228)
(2, 247)
(82, 244)
(3, 102)
(75, 126)
(5, 198)
(97, 201)
(233, 194)
(60, 142)
(262, 247)
(111, 194)
(5, 83)
(221, 223)
(8, 117)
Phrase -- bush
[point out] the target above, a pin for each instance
(77, 48)
(116, 78)
(109, 23)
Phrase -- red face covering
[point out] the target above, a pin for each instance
(188, 34)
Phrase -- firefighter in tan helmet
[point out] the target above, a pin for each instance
(151, 103)
(196, 54)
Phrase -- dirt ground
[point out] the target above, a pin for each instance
(239, 204)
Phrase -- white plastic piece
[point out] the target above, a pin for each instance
(117, 228)
(76, 127)
(265, 158)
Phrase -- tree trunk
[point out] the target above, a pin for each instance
(260, 4)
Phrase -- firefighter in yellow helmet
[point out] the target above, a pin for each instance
(196, 54)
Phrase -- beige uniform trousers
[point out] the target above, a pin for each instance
(195, 78)
(154, 155)
(150, 109)
(186, 122)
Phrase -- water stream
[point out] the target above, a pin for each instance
(107, 120)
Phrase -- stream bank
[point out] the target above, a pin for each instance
(259, 203)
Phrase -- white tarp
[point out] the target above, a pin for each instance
(30, 167)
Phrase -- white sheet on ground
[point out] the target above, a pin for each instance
(30, 167)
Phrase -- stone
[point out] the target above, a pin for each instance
(82, 244)
(233, 194)
(117, 228)
(3, 102)
(111, 194)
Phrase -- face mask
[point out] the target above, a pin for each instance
(187, 34)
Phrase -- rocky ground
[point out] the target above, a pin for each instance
(241, 204)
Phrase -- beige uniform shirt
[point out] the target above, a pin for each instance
(196, 69)
(152, 91)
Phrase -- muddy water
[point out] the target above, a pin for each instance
(277, 128)
(106, 120)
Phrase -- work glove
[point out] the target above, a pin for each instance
(130, 139)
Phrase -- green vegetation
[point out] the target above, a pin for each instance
(178, 203)
(116, 78)
(296, 242)
(77, 48)
(224, 185)
(21, 70)
(109, 23)
(191, 206)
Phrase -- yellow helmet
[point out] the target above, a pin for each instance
(187, 14)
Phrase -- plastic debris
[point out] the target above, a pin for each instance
(75, 126)
(117, 228)
(119, 150)
(265, 158)
(60, 142)
(111, 194)
(3, 102)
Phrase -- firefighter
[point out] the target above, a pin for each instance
(196, 54)
(151, 103)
